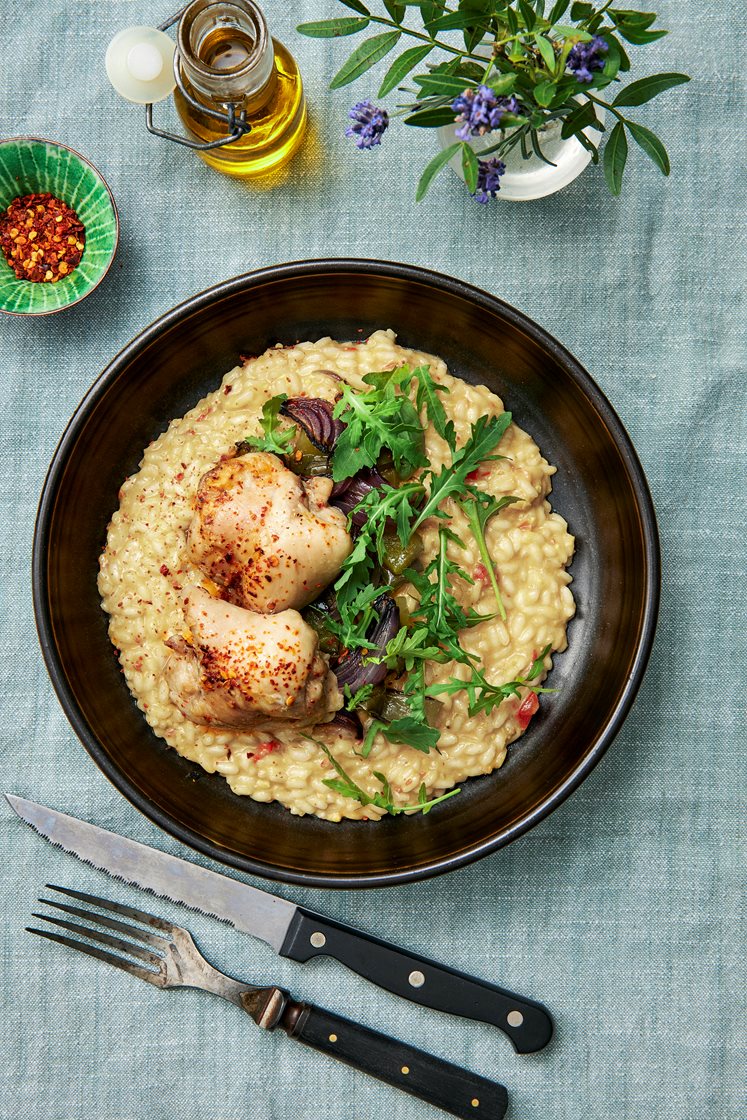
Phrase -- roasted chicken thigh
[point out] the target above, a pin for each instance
(265, 536)
(236, 668)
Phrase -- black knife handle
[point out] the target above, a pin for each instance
(438, 1082)
(527, 1024)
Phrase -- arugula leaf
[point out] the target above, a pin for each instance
(442, 614)
(423, 805)
(379, 419)
(486, 434)
(358, 699)
(355, 607)
(357, 586)
(345, 785)
(482, 696)
(389, 503)
(427, 400)
(276, 439)
(386, 789)
(478, 509)
(414, 691)
(410, 646)
(409, 731)
(538, 665)
(356, 570)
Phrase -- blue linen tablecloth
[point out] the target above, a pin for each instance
(622, 910)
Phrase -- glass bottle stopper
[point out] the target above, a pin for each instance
(140, 64)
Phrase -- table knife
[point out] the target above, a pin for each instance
(293, 931)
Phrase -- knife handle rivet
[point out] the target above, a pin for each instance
(514, 1018)
(416, 979)
(318, 940)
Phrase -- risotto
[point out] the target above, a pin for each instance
(146, 569)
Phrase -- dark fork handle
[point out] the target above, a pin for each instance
(438, 1082)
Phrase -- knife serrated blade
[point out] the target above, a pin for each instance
(247, 908)
(290, 930)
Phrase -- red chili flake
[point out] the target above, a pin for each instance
(42, 238)
(481, 573)
(164, 570)
(263, 749)
(227, 390)
(477, 473)
(526, 710)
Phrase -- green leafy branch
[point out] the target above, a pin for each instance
(516, 49)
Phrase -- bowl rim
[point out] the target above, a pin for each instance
(115, 211)
(297, 270)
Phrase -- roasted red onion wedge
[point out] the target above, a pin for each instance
(314, 415)
(356, 488)
(347, 723)
(357, 668)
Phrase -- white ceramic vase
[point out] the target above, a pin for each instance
(528, 179)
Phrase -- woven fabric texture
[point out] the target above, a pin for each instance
(622, 911)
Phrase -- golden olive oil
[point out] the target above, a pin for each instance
(276, 112)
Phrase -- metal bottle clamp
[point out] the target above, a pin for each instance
(237, 123)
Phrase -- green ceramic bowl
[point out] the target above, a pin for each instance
(29, 165)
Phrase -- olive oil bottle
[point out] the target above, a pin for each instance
(227, 56)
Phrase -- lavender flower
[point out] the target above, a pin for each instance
(489, 173)
(370, 124)
(481, 111)
(584, 58)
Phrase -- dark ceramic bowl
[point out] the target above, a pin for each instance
(599, 488)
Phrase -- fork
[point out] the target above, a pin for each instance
(170, 959)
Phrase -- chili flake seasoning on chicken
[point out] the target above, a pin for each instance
(42, 238)
(237, 668)
(267, 537)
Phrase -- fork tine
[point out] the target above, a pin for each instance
(117, 908)
(108, 958)
(105, 939)
(154, 939)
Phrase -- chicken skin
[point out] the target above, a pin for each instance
(266, 537)
(244, 670)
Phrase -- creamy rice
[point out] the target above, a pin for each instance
(145, 567)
